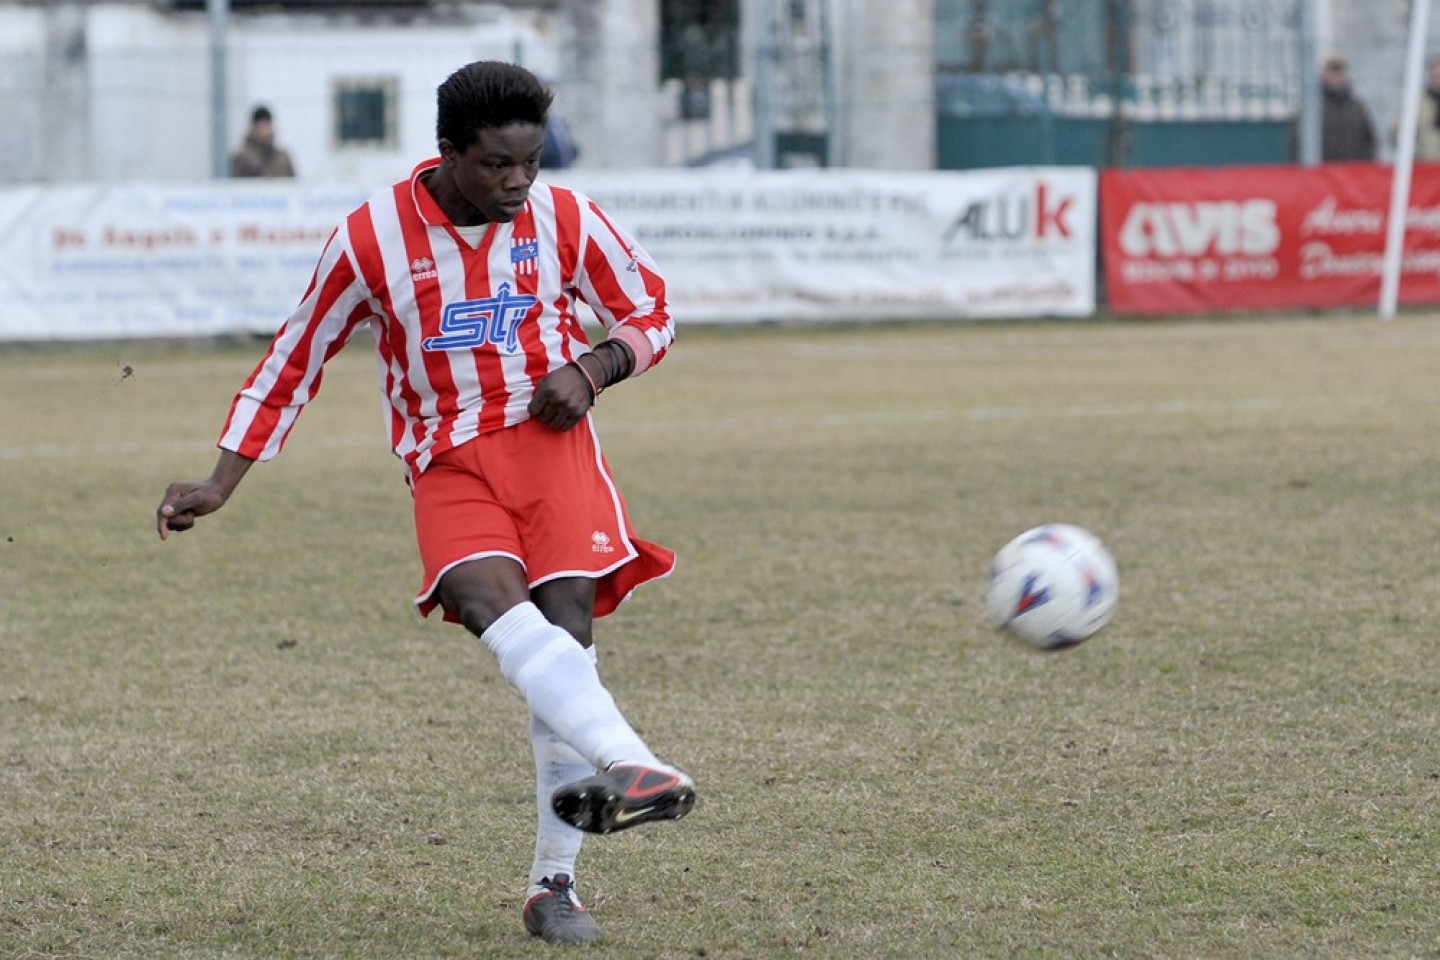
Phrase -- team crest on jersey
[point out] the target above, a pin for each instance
(422, 268)
(524, 255)
(488, 320)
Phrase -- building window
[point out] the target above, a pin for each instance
(699, 40)
(364, 112)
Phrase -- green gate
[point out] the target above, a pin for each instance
(1115, 83)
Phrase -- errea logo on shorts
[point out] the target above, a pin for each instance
(600, 542)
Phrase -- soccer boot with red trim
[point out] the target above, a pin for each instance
(625, 795)
(556, 916)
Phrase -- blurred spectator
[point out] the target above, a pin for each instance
(1427, 132)
(258, 156)
(1346, 132)
(560, 149)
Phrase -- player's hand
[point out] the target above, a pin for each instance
(185, 502)
(562, 398)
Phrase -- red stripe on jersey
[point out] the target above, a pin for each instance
(607, 284)
(494, 392)
(391, 343)
(567, 240)
(527, 281)
(293, 375)
(429, 300)
(653, 284)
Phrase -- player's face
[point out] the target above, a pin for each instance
(493, 175)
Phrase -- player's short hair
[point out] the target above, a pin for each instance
(488, 93)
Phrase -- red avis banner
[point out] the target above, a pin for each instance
(1257, 238)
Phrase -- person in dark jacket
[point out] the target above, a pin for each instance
(1346, 131)
(259, 156)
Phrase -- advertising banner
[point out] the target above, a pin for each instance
(135, 261)
(1257, 238)
(233, 257)
(864, 244)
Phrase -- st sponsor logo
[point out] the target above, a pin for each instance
(469, 324)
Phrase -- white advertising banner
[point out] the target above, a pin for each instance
(224, 258)
(864, 244)
(114, 262)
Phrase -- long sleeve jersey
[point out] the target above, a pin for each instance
(462, 334)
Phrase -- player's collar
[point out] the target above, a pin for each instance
(424, 201)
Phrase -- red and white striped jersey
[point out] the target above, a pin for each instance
(462, 334)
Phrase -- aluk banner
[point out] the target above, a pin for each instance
(102, 262)
(1263, 237)
(862, 244)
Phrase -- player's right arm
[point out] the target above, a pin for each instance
(187, 500)
(287, 378)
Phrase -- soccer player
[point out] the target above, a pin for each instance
(468, 275)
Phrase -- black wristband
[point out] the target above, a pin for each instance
(616, 361)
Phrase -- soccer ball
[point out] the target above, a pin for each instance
(1053, 587)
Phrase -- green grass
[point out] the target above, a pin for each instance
(243, 743)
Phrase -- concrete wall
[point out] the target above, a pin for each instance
(885, 83)
(608, 81)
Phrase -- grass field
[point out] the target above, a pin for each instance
(243, 743)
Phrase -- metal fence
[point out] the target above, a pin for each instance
(1117, 82)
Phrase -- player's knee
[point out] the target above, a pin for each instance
(478, 597)
(569, 603)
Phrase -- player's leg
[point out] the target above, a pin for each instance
(474, 556)
(528, 502)
(623, 794)
(552, 905)
(560, 684)
(552, 909)
(541, 660)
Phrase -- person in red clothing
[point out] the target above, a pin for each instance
(469, 275)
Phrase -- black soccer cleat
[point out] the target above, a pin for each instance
(556, 916)
(625, 795)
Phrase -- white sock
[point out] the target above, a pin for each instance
(560, 684)
(557, 844)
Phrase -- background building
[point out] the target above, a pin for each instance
(121, 90)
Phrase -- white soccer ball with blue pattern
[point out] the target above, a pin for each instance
(1053, 587)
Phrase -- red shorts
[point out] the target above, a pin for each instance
(540, 497)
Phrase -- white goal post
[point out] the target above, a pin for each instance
(1404, 158)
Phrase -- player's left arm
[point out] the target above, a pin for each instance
(622, 284)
